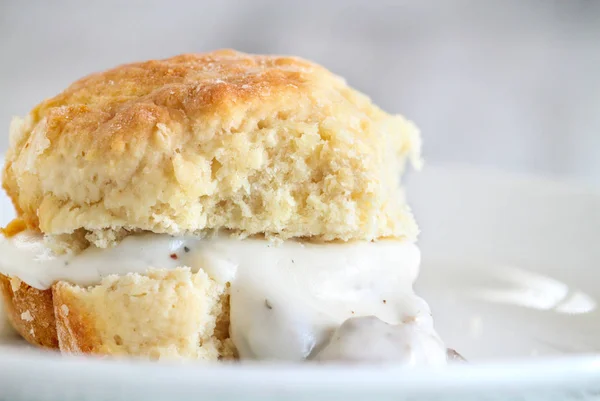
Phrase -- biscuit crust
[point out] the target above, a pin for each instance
(30, 311)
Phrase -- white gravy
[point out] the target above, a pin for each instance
(287, 300)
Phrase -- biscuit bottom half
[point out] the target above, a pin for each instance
(164, 314)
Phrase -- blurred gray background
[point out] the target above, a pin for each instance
(504, 84)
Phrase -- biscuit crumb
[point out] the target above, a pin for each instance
(15, 284)
(27, 316)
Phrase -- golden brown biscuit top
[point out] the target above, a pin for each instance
(122, 102)
(256, 144)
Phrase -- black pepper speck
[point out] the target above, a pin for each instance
(186, 249)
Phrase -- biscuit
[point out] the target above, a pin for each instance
(224, 140)
(164, 314)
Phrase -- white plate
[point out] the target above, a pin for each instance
(511, 268)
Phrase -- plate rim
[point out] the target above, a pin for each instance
(550, 373)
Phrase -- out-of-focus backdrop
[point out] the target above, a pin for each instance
(513, 84)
